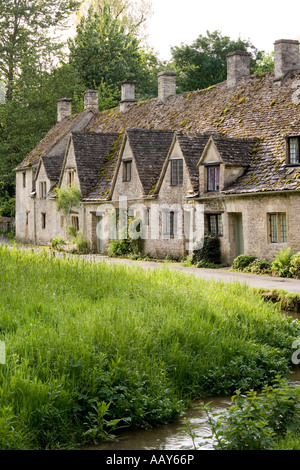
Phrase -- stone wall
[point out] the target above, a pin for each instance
(255, 211)
(6, 224)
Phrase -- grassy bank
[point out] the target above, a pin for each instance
(89, 343)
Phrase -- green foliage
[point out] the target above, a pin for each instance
(203, 63)
(79, 334)
(81, 243)
(23, 31)
(295, 266)
(66, 199)
(129, 242)
(243, 261)
(55, 242)
(210, 253)
(282, 262)
(257, 420)
(99, 427)
(103, 40)
(259, 266)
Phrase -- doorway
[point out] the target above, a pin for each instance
(238, 234)
(99, 232)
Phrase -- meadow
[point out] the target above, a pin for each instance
(93, 347)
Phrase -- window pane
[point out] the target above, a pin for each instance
(210, 178)
(283, 228)
(213, 178)
(220, 225)
(273, 224)
(176, 172)
(127, 171)
(180, 172)
(213, 224)
(294, 150)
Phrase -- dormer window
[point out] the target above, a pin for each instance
(127, 170)
(213, 178)
(70, 178)
(293, 150)
(177, 172)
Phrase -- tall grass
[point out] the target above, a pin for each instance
(82, 337)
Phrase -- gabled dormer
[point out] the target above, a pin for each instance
(179, 176)
(222, 162)
(140, 162)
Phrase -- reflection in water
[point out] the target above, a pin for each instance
(170, 437)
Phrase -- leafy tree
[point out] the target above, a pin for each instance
(132, 14)
(24, 31)
(203, 63)
(104, 54)
(66, 198)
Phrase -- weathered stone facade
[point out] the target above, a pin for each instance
(223, 160)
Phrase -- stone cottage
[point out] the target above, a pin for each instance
(224, 160)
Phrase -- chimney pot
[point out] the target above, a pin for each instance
(166, 84)
(287, 57)
(91, 100)
(238, 67)
(64, 108)
(127, 95)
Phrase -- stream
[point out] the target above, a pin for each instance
(170, 436)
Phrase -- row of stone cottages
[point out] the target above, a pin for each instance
(223, 160)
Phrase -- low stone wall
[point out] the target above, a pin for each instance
(6, 224)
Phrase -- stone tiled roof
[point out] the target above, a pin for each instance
(53, 165)
(150, 149)
(235, 152)
(53, 137)
(192, 147)
(92, 151)
(258, 107)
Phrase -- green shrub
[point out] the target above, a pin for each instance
(243, 261)
(210, 251)
(295, 266)
(55, 242)
(259, 266)
(282, 263)
(257, 420)
(81, 243)
(128, 244)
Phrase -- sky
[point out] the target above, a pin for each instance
(260, 21)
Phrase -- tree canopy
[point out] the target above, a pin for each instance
(104, 53)
(25, 34)
(203, 63)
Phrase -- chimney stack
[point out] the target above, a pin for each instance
(127, 95)
(238, 67)
(91, 100)
(166, 84)
(287, 57)
(64, 108)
